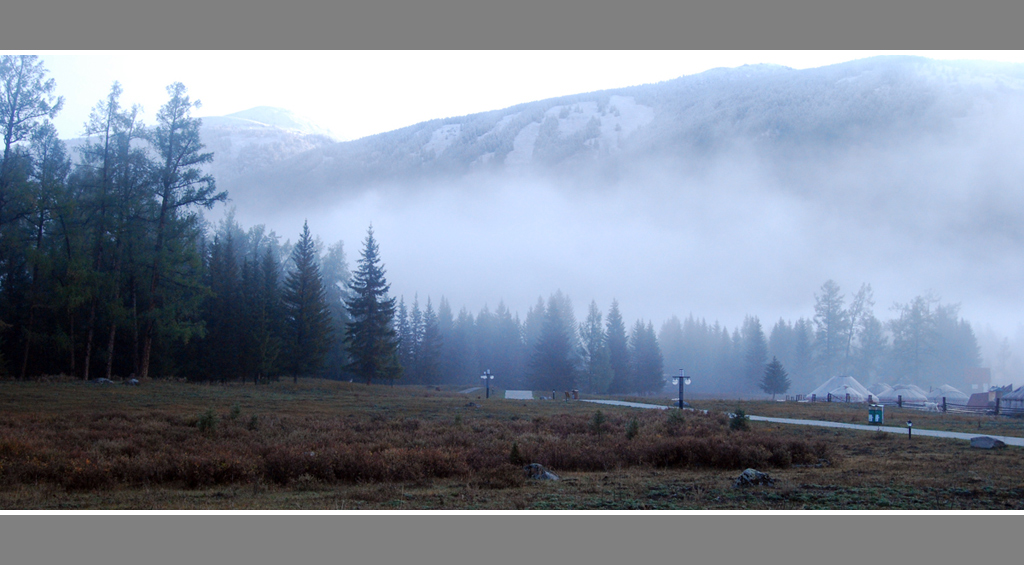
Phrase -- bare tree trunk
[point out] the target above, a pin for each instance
(88, 340)
(110, 349)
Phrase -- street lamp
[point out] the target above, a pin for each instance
(910, 429)
(487, 377)
(681, 380)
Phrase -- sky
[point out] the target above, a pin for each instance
(358, 93)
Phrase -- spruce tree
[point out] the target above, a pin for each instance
(552, 365)
(646, 362)
(307, 314)
(775, 380)
(618, 351)
(372, 341)
(597, 365)
(428, 362)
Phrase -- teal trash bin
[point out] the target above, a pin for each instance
(875, 413)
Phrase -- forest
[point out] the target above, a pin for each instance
(108, 269)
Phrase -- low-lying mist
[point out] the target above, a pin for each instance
(739, 233)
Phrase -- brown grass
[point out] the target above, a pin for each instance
(322, 445)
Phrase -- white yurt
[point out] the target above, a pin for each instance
(952, 395)
(878, 388)
(1013, 400)
(839, 395)
(908, 393)
(916, 388)
(836, 383)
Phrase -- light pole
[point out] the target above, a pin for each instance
(681, 380)
(487, 377)
(910, 429)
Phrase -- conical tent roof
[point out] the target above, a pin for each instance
(908, 393)
(951, 394)
(836, 382)
(878, 388)
(855, 395)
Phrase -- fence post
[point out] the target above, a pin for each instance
(814, 398)
(847, 398)
(899, 400)
(943, 404)
(829, 397)
(997, 406)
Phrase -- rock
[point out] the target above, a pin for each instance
(985, 442)
(751, 477)
(131, 382)
(102, 381)
(538, 472)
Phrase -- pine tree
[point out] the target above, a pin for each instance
(618, 351)
(755, 351)
(307, 314)
(775, 380)
(646, 362)
(429, 360)
(372, 340)
(596, 362)
(831, 321)
(552, 365)
(180, 183)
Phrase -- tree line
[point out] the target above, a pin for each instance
(925, 343)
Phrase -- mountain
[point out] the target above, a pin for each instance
(728, 193)
(775, 113)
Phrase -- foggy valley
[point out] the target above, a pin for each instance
(730, 193)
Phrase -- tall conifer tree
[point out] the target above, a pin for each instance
(307, 314)
(372, 340)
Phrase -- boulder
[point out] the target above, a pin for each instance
(985, 442)
(538, 472)
(131, 382)
(751, 477)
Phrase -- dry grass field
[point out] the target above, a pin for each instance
(330, 445)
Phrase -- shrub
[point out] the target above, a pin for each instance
(597, 423)
(739, 422)
(633, 428)
(236, 411)
(207, 422)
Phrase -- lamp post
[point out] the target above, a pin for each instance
(487, 377)
(681, 380)
(910, 429)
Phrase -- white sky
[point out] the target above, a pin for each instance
(359, 93)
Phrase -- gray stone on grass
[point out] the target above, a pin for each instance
(751, 477)
(538, 472)
(985, 442)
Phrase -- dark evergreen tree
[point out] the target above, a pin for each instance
(755, 352)
(307, 314)
(775, 380)
(26, 99)
(428, 363)
(334, 268)
(646, 362)
(372, 341)
(597, 368)
(618, 351)
(180, 184)
(552, 366)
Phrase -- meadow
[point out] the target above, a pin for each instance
(335, 445)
